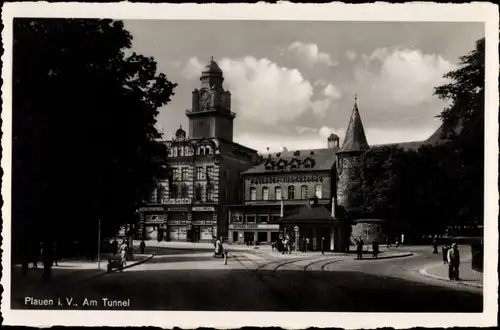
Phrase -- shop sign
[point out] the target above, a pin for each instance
(179, 222)
(203, 222)
(254, 226)
(176, 201)
(178, 209)
(151, 209)
(204, 208)
(286, 179)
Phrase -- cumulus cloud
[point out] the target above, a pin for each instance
(401, 77)
(311, 54)
(332, 91)
(351, 55)
(266, 92)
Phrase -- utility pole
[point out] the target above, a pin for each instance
(99, 246)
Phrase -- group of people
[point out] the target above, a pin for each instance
(46, 253)
(359, 248)
(123, 249)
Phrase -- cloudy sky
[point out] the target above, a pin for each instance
(293, 83)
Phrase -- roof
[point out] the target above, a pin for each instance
(355, 138)
(309, 213)
(322, 160)
(212, 67)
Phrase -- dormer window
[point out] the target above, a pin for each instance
(307, 165)
(269, 167)
(281, 167)
(294, 166)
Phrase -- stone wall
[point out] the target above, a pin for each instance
(346, 173)
(368, 232)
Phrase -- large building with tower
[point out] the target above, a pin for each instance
(206, 166)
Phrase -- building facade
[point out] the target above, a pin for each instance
(278, 187)
(206, 166)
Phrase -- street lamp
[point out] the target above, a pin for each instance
(99, 245)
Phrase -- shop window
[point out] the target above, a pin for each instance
(253, 194)
(265, 193)
(277, 193)
(250, 218)
(319, 191)
(303, 192)
(291, 192)
(262, 237)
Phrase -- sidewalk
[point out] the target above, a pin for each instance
(468, 277)
(201, 246)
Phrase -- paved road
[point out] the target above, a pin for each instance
(253, 281)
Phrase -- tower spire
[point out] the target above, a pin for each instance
(355, 138)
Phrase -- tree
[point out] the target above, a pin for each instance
(84, 140)
(463, 123)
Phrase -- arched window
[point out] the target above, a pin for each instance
(291, 192)
(303, 192)
(277, 193)
(319, 191)
(253, 194)
(265, 193)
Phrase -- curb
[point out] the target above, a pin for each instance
(403, 255)
(424, 272)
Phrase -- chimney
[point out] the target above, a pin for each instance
(296, 153)
(333, 141)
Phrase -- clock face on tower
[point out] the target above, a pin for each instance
(204, 95)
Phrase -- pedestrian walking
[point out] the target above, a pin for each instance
(445, 253)
(388, 242)
(123, 253)
(435, 246)
(142, 246)
(359, 248)
(307, 243)
(375, 248)
(453, 262)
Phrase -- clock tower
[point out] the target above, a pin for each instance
(211, 114)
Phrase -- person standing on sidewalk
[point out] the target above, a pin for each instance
(453, 262)
(123, 253)
(359, 248)
(435, 246)
(445, 253)
(142, 246)
(375, 248)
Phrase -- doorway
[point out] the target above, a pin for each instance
(249, 238)
(235, 237)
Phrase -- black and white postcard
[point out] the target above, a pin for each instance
(287, 165)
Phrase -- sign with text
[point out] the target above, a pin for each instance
(151, 209)
(176, 201)
(286, 179)
(204, 208)
(253, 226)
(179, 222)
(203, 222)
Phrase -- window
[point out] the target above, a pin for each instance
(153, 196)
(208, 150)
(198, 191)
(210, 172)
(265, 193)
(307, 165)
(281, 167)
(269, 167)
(181, 151)
(187, 151)
(262, 218)
(184, 173)
(251, 218)
(159, 195)
(184, 190)
(294, 166)
(210, 193)
(253, 194)
(277, 193)
(291, 192)
(199, 173)
(175, 191)
(174, 149)
(303, 192)
(237, 218)
(319, 191)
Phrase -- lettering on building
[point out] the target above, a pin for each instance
(286, 179)
(176, 201)
(151, 209)
(203, 222)
(203, 209)
(179, 222)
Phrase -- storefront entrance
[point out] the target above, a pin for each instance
(248, 237)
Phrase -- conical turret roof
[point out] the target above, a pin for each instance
(355, 138)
